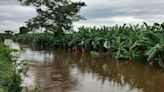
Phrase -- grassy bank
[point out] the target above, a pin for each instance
(9, 79)
(126, 42)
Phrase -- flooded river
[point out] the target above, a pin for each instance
(57, 70)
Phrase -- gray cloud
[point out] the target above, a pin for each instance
(98, 13)
(13, 15)
(110, 12)
(8, 2)
(108, 8)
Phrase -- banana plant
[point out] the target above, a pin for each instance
(155, 50)
(119, 48)
(134, 40)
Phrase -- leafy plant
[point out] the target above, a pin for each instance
(10, 81)
(127, 42)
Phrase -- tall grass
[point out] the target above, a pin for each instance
(9, 80)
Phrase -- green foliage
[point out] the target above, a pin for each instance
(95, 54)
(9, 80)
(43, 40)
(54, 15)
(2, 38)
(24, 37)
(125, 42)
(23, 30)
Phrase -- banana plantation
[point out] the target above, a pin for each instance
(126, 42)
(58, 50)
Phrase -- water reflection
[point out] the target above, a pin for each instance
(29, 54)
(95, 74)
(66, 71)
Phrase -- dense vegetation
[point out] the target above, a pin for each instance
(127, 42)
(9, 80)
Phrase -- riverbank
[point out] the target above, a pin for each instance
(10, 80)
(126, 42)
(62, 70)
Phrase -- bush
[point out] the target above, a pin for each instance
(9, 79)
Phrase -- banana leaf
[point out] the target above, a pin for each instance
(152, 53)
(153, 39)
(107, 45)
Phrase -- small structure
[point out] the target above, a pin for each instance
(9, 33)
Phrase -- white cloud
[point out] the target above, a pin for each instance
(127, 20)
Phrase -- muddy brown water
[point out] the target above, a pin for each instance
(57, 70)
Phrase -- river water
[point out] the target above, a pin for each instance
(57, 70)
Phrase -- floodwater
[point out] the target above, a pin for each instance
(57, 70)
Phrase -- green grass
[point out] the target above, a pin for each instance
(9, 79)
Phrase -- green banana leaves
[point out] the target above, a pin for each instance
(124, 42)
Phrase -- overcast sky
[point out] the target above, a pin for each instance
(97, 12)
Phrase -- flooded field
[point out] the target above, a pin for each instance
(57, 70)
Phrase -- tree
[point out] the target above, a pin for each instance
(23, 30)
(54, 15)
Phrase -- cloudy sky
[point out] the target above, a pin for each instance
(97, 12)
